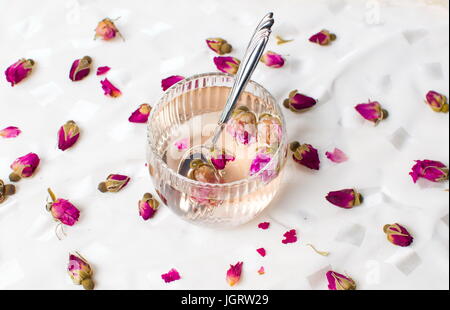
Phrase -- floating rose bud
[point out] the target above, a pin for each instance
(102, 70)
(337, 281)
(114, 183)
(243, 125)
(148, 206)
(437, 101)
(263, 158)
(6, 190)
(203, 172)
(218, 45)
(261, 251)
(272, 59)
(141, 114)
(110, 89)
(62, 210)
(306, 155)
(19, 70)
(264, 225)
(68, 134)
(432, 170)
(182, 144)
(107, 30)
(346, 198)
(280, 40)
(397, 234)
(261, 270)
(171, 80)
(323, 37)
(337, 156)
(171, 276)
(10, 132)
(269, 130)
(24, 167)
(219, 159)
(298, 102)
(227, 64)
(372, 111)
(80, 271)
(290, 236)
(80, 68)
(234, 273)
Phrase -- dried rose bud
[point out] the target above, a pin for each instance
(323, 37)
(272, 59)
(203, 172)
(6, 190)
(148, 206)
(80, 271)
(218, 45)
(337, 281)
(306, 155)
(102, 70)
(234, 273)
(242, 125)
(171, 276)
(372, 111)
(290, 236)
(107, 30)
(437, 101)
(263, 158)
(141, 114)
(62, 210)
(171, 80)
(68, 134)
(110, 89)
(10, 132)
(80, 68)
(337, 156)
(19, 70)
(24, 167)
(434, 171)
(227, 64)
(346, 198)
(298, 102)
(397, 234)
(114, 183)
(261, 270)
(269, 130)
(219, 159)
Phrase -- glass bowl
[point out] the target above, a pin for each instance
(217, 205)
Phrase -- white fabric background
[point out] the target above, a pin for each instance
(390, 51)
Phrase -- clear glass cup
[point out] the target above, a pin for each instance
(217, 205)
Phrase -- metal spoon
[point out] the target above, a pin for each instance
(251, 59)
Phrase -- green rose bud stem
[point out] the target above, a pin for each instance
(102, 187)
(294, 146)
(9, 189)
(385, 113)
(14, 177)
(88, 284)
(52, 195)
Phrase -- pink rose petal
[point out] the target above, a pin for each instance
(261, 270)
(102, 70)
(10, 132)
(261, 251)
(169, 81)
(110, 89)
(290, 237)
(337, 156)
(264, 225)
(182, 144)
(171, 276)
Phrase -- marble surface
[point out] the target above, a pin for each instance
(390, 51)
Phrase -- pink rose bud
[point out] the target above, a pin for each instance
(19, 70)
(62, 210)
(337, 281)
(269, 130)
(372, 111)
(80, 271)
(171, 276)
(323, 38)
(234, 273)
(306, 155)
(337, 156)
(148, 206)
(219, 46)
(171, 80)
(434, 171)
(263, 158)
(437, 102)
(114, 183)
(243, 125)
(298, 102)
(110, 89)
(24, 167)
(80, 68)
(10, 132)
(272, 59)
(346, 198)
(397, 234)
(290, 236)
(261, 270)
(102, 70)
(107, 30)
(141, 114)
(68, 134)
(219, 159)
(227, 64)
(6, 190)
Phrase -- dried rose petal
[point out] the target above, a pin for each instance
(24, 167)
(290, 236)
(102, 70)
(270, 130)
(141, 114)
(171, 80)
(6, 190)
(234, 273)
(272, 59)
(110, 89)
(398, 235)
(243, 125)
(437, 101)
(10, 132)
(171, 276)
(107, 30)
(148, 206)
(432, 170)
(280, 40)
(372, 111)
(80, 68)
(219, 159)
(68, 134)
(80, 271)
(337, 281)
(19, 70)
(346, 198)
(306, 155)
(263, 158)
(337, 156)
(297, 102)
(264, 225)
(261, 251)
(323, 37)
(261, 270)
(219, 45)
(227, 64)
(182, 144)
(62, 210)
(114, 183)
